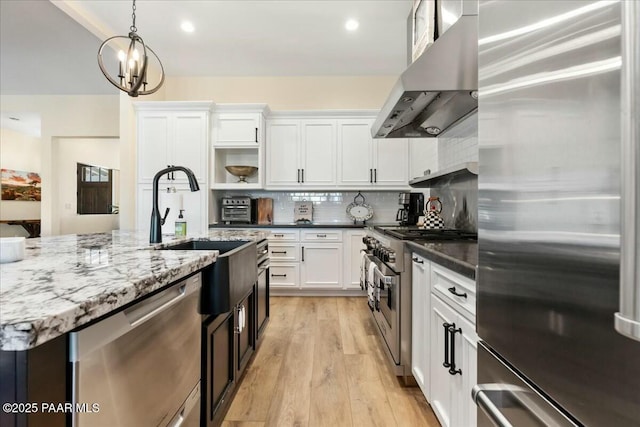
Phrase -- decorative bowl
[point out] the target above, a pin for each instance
(242, 172)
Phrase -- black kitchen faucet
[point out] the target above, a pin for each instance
(156, 220)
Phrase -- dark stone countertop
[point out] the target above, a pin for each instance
(460, 256)
(294, 225)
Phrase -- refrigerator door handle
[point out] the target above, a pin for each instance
(627, 320)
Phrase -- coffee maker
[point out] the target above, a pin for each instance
(412, 207)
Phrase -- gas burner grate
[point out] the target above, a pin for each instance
(405, 233)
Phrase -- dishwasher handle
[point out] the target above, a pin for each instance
(144, 311)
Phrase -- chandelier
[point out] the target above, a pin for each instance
(132, 65)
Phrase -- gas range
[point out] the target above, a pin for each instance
(389, 296)
(418, 233)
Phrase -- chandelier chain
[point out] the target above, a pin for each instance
(133, 16)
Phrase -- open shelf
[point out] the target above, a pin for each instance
(464, 170)
(221, 179)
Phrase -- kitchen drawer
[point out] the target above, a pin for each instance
(320, 235)
(284, 235)
(446, 284)
(284, 251)
(283, 275)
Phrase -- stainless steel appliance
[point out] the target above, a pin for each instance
(549, 213)
(392, 307)
(237, 210)
(440, 87)
(141, 365)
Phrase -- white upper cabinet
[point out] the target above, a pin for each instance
(283, 153)
(355, 156)
(317, 162)
(391, 162)
(301, 153)
(172, 133)
(237, 129)
(364, 162)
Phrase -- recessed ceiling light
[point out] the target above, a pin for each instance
(187, 27)
(351, 25)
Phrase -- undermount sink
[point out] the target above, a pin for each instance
(229, 278)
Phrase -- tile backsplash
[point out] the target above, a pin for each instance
(328, 207)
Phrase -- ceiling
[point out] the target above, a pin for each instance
(45, 51)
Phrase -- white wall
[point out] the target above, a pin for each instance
(19, 152)
(103, 152)
(62, 116)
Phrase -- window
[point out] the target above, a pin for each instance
(95, 190)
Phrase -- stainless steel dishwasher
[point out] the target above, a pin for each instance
(141, 365)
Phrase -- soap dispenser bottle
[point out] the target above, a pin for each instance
(181, 225)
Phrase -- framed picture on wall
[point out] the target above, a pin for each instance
(20, 185)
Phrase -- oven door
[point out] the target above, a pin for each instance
(387, 315)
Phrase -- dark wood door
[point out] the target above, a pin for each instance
(219, 365)
(247, 335)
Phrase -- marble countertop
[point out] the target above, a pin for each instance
(459, 256)
(66, 281)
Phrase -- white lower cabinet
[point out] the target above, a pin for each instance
(420, 323)
(321, 265)
(315, 259)
(352, 244)
(453, 365)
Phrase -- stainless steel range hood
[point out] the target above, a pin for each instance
(438, 89)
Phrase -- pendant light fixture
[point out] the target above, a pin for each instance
(132, 65)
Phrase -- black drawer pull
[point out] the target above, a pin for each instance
(278, 275)
(278, 235)
(453, 291)
(418, 261)
(278, 252)
(321, 235)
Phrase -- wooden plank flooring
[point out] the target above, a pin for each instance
(321, 364)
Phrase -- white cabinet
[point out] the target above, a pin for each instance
(237, 129)
(321, 261)
(421, 323)
(454, 344)
(238, 134)
(283, 153)
(173, 133)
(365, 162)
(352, 244)
(301, 153)
(321, 265)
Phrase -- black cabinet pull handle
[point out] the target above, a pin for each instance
(446, 327)
(278, 235)
(278, 275)
(303, 253)
(371, 176)
(321, 235)
(302, 175)
(453, 291)
(256, 134)
(452, 368)
(278, 252)
(298, 176)
(375, 175)
(418, 261)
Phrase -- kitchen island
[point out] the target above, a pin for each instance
(67, 283)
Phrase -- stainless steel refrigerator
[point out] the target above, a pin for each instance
(559, 151)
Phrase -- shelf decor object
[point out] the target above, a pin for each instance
(358, 210)
(133, 66)
(242, 172)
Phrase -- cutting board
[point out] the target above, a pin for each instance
(265, 210)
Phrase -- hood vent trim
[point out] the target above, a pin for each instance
(436, 91)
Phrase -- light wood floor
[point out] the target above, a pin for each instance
(321, 364)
